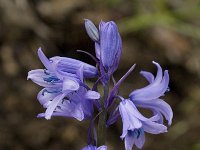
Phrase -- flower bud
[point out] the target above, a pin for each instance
(92, 31)
(110, 46)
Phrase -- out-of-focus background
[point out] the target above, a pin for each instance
(167, 31)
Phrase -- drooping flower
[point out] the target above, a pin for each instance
(64, 92)
(149, 96)
(135, 125)
(66, 65)
(77, 104)
(91, 147)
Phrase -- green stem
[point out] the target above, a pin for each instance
(101, 131)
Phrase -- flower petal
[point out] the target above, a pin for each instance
(92, 95)
(69, 109)
(156, 117)
(46, 95)
(70, 85)
(49, 111)
(130, 121)
(97, 50)
(70, 65)
(117, 57)
(157, 105)
(102, 147)
(149, 76)
(40, 77)
(159, 73)
(160, 120)
(152, 91)
(133, 111)
(89, 147)
(129, 142)
(44, 60)
(79, 73)
(139, 142)
(153, 127)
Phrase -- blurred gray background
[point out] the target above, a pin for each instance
(167, 31)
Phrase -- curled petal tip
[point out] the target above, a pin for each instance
(40, 52)
(47, 117)
(85, 19)
(154, 62)
(29, 75)
(157, 64)
(40, 49)
(39, 116)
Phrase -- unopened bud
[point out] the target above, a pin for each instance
(92, 31)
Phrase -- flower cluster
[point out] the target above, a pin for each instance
(65, 92)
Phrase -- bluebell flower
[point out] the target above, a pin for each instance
(108, 44)
(91, 147)
(135, 125)
(66, 65)
(77, 104)
(64, 92)
(149, 96)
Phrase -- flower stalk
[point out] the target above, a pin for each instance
(101, 132)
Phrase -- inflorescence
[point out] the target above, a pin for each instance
(65, 92)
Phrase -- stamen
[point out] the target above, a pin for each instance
(45, 72)
(51, 79)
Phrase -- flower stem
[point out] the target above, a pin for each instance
(101, 131)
